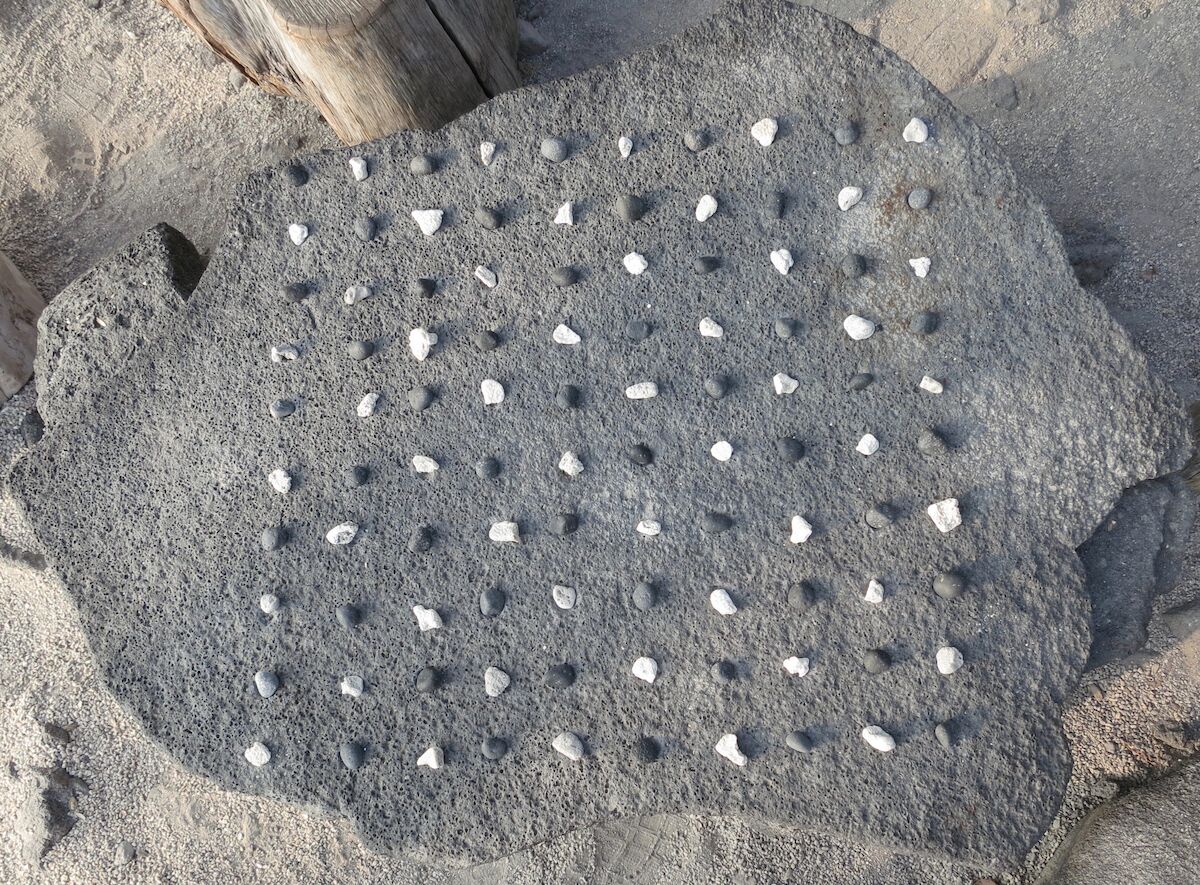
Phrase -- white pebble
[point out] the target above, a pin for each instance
(642, 390)
(495, 682)
(949, 660)
(801, 530)
(649, 528)
(625, 146)
(710, 328)
(635, 263)
(432, 758)
(916, 131)
(945, 514)
(720, 600)
(931, 384)
(784, 384)
(428, 220)
(721, 450)
(878, 739)
(564, 597)
(782, 259)
(281, 352)
(257, 754)
(353, 686)
(341, 534)
(848, 197)
(280, 480)
(868, 445)
(355, 294)
(706, 208)
(569, 744)
(487, 152)
(486, 276)
(427, 618)
(367, 405)
(358, 168)
(492, 390)
(505, 533)
(421, 342)
(764, 130)
(570, 464)
(298, 233)
(268, 603)
(727, 746)
(424, 464)
(565, 214)
(858, 328)
(796, 666)
(645, 669)
(874, 592)
(564, 334)
(920, 266)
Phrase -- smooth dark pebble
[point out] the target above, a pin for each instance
(923, 323)
(568, 396)
(880, 516)
(564, 276)
(364, 229)
(492, 602)
(846, 133)
(421, 539)
(801, 596)
(421, 165)
(789, 449)
(861, 381)
(800, 742)
(640, 454)
(696, 140)
(637, 330)
(488, 219)
(282, 408)
(644, 596)
(949, 585)
(487, 468)
(356, 476)
(723, 672)
(930, 442)
(296, 174)
(266, 682)
(785, 327)
(486, 340)
(348, 616)
(944, 735)
(423, 287)
(876, 661)
(421, 398)
(360, 350)
(494, 748)
(629, 207)
(920, 198)
(563, 524)
(554, 149)
(706, 264)
(716, 387)
(428, 679)
(294, 291)
(853, 266)
(648, 749)
(352, 755)
(716, 522)
(33, 428)
(560, 676)
(273, 538)
(776, 206)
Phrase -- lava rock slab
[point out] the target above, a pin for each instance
(151, 495)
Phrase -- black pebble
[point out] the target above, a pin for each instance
(294, 291)
(563, 524)
(930, 442)
(944, 735)
(421, 165)
(629, 207)
(800, 742)
(637, 330)
(861, 381)
(356, 476)
(364, 229)
(564, 276)
(920, 198)
(716, 522)
(785, 327)
(923, 323)
(776, 204)
(716, 387)
(854, 266)
(420, 398)
(648, 749)
(706, 264)
(296, 174)
(949, 585)
(568, 396)
(494, 748)
(488, 219)
(789, 449)
(348, 616)
(723, 672)
(423, 287)
(274, 537)
(560, 676)
(282, 408)
(644, 596)
(421, 539)
(696, 140)
(492, 601)
(846, 133)
(876, 661)
(554, 149)
(32, 427)
(487, 468)
(428, 679)
(487, 340)
(801, 596)
(640, 454)
(880, 516)
(360, 350)
(352, 755)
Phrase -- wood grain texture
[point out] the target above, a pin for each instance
(20, 307)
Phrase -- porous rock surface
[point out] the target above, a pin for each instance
(152, 499)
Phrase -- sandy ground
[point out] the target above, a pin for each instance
(113, 117)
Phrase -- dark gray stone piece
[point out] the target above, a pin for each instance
(644, 596)
(492, 601)
(799, 741)
(494, 748)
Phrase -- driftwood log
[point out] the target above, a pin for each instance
(20, 306)
(370, 66)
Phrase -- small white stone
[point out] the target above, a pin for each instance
(710, 328)
(858, 328)
(495, 682)
(931, 384)
(432, 758)
(428, 220)
(505, 533)
(427, 618)
(570, 464)
(565, 214)
(784, 384)
(801, 530)
(367, 405)
(487, 152)
(878, 739)
(564, 597)
(268, 603)
(874, 592)
(424, 464)
(949, 660)
(486, 276)
(569, 744)
(353, 686)
(945, 514)
(796, 666)
(635, 263)
(916, 131)
(492, 390)
(281, 352)
(564, 334)
(257, 754)
(782, 259)
(721, 450)
(868, 445)
(720, 600)
(341, 534)
(645, 669)
(355, 294)
(625, 146)
(706, 208)
(280, 480)
(649, 528)
(765, 130)
(848, 197)
(642, 390)
(727, 746)
(358, 168)
(298, 233)
(920, 266)
(421, 342)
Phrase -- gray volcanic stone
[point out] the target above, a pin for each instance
(157, 478)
